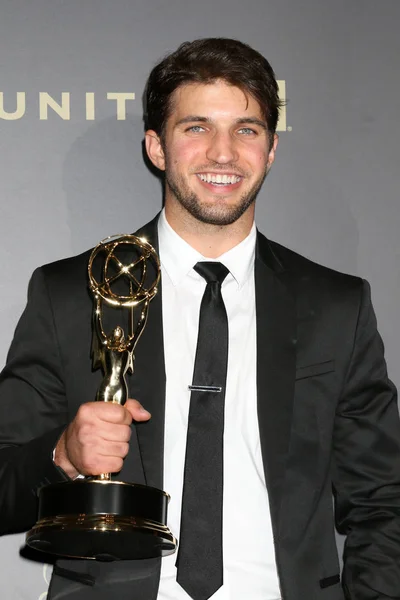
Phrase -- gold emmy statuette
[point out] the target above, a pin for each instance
(97, 517)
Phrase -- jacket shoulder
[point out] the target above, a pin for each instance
(70, 273)
(303, 268)
(75, 268)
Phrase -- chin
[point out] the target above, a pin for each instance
(221, 215)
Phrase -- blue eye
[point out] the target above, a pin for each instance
(247, 130)
(196, 128)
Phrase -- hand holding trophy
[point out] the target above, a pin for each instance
(98, 517)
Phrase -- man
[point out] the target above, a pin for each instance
(307, 403)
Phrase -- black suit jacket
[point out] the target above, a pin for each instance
(327, 414)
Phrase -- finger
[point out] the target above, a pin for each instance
(137, 411)
(102, 464)
(113, 433)
(113, 449)
(94, 458)
(111, 413)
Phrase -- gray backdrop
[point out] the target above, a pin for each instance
(71, 167)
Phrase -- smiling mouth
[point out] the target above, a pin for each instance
(219, 179)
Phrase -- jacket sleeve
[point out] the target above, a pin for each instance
(366, 468)
(33, 411)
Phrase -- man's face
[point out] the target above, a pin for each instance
(215, 152)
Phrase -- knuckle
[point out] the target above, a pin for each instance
(134, 404)
(121, 413)
(124, 449)
(114, 413)
(89, 461)
(116, 465)
(118, 450)
(86, 432)
(84, 411)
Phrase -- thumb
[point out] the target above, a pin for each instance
(137, 411)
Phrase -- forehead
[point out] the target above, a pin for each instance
(213, 100)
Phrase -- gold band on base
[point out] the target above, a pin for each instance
(101, 537)
(104, 522)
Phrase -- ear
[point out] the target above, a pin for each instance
(154, 149)
(271, 154)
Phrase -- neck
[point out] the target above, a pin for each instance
(210, 240)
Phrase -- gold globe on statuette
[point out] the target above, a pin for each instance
(97, 517)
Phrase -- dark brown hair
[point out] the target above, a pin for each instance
(204, 61)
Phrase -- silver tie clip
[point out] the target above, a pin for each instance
(205, 388)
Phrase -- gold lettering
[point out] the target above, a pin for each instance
(62, 110)
(121, 98)
(90, 112)
(19, 111)
(282, 114)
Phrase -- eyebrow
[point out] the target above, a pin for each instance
(241, 121)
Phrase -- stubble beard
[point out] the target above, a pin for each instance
(218, 213)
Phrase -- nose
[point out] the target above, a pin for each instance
(222, 148)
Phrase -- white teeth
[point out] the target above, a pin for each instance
(219, 179)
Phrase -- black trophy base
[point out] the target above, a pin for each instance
(102, 520)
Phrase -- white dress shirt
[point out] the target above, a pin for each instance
(249, 569)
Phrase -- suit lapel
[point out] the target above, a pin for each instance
(276, 364)
(147, 383)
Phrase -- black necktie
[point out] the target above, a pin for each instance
(199, 559)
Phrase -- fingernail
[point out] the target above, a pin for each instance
(144, 411)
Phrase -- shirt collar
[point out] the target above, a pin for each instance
(178, 257)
